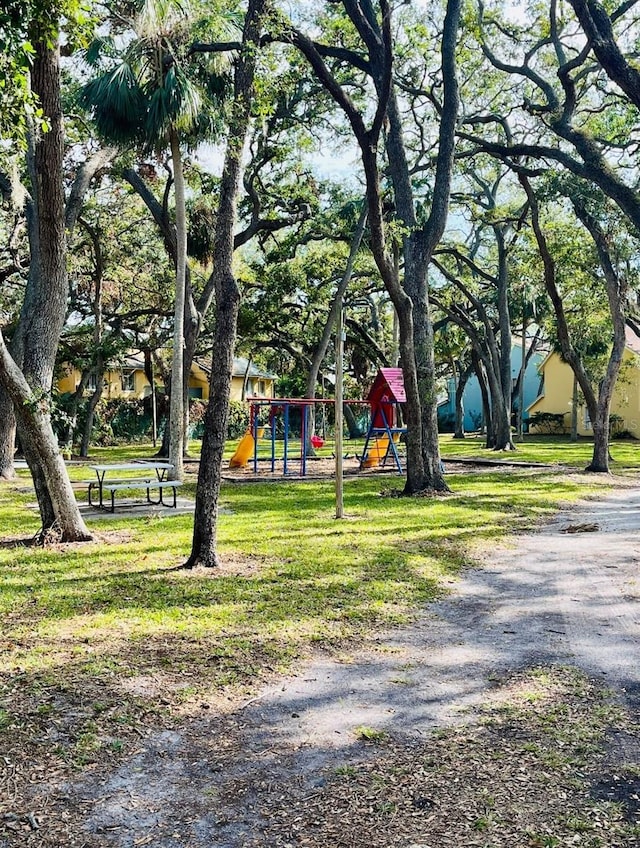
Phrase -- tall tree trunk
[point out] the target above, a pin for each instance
(410, 298)
(484, 394)
(574, 411)
(92, 405)
(600, 457)
(194, 313)
(204, 546)
(44, 309)
(42, 449)
(429, 473)
(72, 410)
(353, 428)
(504, 440)
(461, 385)
(177, 409)
(616, 288)
(7, 436)
(330, 323)
(99, 365)
(419, 248)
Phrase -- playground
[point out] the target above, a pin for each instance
(289, 436)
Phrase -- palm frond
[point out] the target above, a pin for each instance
(101, 46)
(177, 102)
(117, 103)
(218, 87)
(158, 118)
(162, 16)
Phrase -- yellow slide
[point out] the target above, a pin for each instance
(376, 453)
(243, 452)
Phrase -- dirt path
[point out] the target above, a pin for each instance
(568, 595)
(557, 597)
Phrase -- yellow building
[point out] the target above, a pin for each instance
(247, 380)
(129, 380)
(556, 392)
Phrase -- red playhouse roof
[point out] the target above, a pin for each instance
(388, 386)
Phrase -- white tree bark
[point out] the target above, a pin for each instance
(177, 406)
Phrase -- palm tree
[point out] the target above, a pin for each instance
(147, 95)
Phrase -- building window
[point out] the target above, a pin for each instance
(127, 381)
(92, 383)
(262, 387)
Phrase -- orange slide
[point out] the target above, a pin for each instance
(243, 452)
(376, 452)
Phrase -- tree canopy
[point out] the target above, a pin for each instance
(495, 148)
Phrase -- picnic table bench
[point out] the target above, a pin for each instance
(150, 476)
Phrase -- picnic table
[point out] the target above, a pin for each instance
(144, 474)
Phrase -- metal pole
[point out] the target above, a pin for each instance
(303, 440)
(338, 414)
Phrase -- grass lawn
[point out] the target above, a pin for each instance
(294, 577)
(625, 453)
(104, 639)
(554, 450)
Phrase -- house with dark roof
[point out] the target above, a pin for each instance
(247, 379)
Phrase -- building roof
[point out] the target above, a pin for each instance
(389, 382)
(135, 361)
(631, 342)
(240, 364)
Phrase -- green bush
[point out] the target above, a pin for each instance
(547, 422)
(237, 423)
(238, 419)
(119, 419)
(197, 411)
(446, 423)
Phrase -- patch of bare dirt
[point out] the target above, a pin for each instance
(530, 770)
(229, 565)
(52, 542)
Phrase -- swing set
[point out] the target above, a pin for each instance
(278, 414)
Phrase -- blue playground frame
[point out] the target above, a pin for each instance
(385, 430)
(285, 405)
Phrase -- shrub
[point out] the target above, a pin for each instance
(547, 422)
(197, 410)
(122, 419)
(237, 423)
(615, 425)
(238, 419)
(446, 423)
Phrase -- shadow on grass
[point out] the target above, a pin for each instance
(388, 558)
